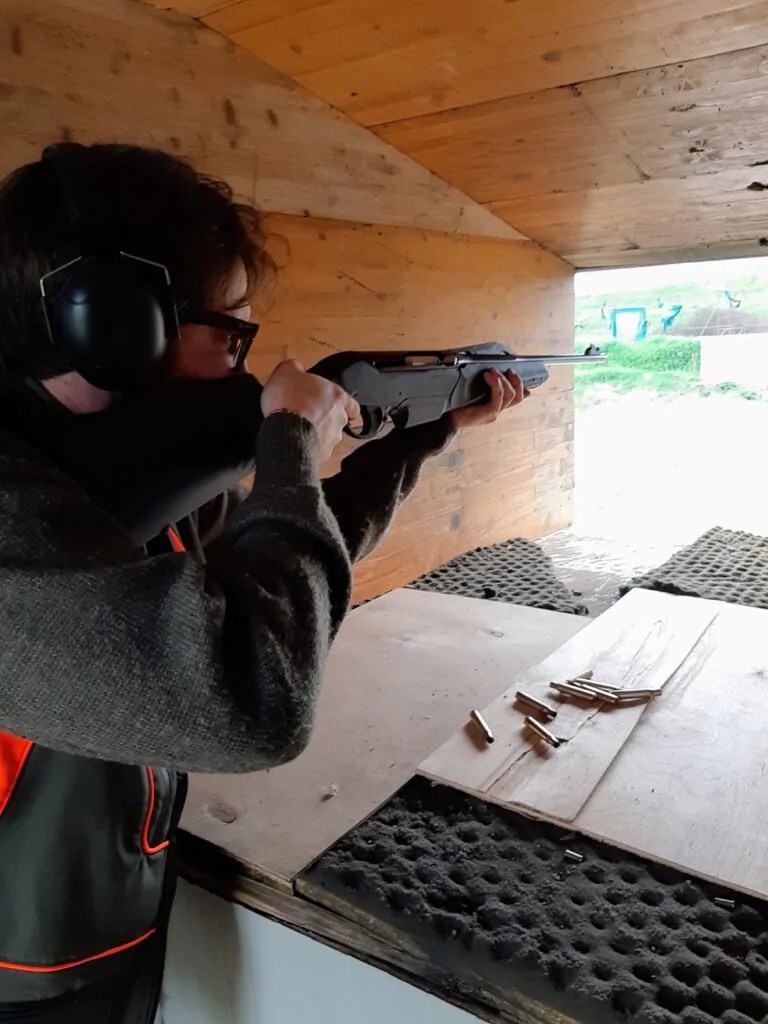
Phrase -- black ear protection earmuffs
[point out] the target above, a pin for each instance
(110, 314)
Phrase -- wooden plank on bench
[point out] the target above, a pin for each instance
(401, 678)
(679, 780)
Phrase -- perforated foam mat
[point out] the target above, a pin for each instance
(723, 565)
(508, 920)
(516, 571)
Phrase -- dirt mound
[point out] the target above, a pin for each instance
(707, 320)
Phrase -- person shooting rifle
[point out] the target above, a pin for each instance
(148, 633)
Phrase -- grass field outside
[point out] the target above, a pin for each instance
(723, 297)
(663, 365)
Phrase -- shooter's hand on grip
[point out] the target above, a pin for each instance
(326, 405)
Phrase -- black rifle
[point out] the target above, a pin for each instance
(156, 456)
(410, 388)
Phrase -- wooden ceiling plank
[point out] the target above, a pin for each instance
(247, 14)
(191, 8)
(466, 68)
(343, 31)
(611, 145)
(524, 146)
(340, 32)
(669, 220)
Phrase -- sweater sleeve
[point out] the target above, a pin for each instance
(376, 478)
(113, 654)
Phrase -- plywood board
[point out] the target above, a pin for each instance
(401, 678)
(629, 645)
(353, 286)
(694, 772)
(116, 70)
(678, 780)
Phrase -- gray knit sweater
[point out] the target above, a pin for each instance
(111, 653)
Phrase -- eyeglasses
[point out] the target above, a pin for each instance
(240, 332)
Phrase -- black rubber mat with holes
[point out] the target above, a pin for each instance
(497, 906)
(723, 565)
(516, 571)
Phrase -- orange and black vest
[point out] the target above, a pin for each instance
(86, 881)
(84, 847)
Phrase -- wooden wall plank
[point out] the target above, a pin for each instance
(416, 58)
(353, 286)
(106, 70)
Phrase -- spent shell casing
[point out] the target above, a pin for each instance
(542, 732)
(572, 690)
(605, 695)
(535, 703)
(482, 725)
(574, 855)
(637, 694)
(584, 691)
(595, 684)
(721, 901)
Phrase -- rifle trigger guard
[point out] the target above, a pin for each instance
(373, 420)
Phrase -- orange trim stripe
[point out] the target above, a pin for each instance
(148, 822)
(13, 756)
(79, 963)
(176, 542)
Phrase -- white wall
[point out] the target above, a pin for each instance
(735, 358)
(229, 965)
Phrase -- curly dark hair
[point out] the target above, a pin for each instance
(138, 200)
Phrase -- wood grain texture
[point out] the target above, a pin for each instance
(702, 752)
(679, 780)
(647, 652)
(666, 221)
(192, 8)
(646, 166)
(415, 57)
(614, 132)
(402, 676)
(116, 70)
(347, 286)
(620, 645)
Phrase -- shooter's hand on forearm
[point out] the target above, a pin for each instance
(327, 406)
(506, 391)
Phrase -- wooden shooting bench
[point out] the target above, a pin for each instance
(677, 780)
